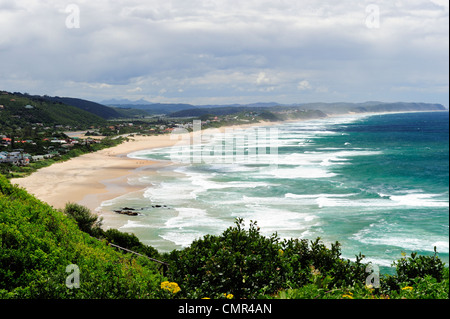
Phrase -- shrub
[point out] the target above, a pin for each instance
(409, 269)
(419, 266)
(129, 241)
(87, 222)
(246, 264)
(38, 243)
(239, 262)
(303, 258)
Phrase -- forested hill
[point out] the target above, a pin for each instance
(89, 106)
(20, 110)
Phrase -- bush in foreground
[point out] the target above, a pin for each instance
(37, 243)
(245, 264)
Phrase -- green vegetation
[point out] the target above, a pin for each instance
(248, 265)
(86, 221)
(91, 224)
(38, 243)
(15, 113)
(89, 106)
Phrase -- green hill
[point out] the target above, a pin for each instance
(21, 110)
(38, 243)
(100, 110)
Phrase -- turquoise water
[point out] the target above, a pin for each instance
(377, 184)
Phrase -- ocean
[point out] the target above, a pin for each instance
(378, 184)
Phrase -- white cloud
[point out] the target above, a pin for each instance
(136, 89)
(240, 50)
(304, 85)
(262, 79)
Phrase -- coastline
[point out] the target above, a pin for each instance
(93, 178)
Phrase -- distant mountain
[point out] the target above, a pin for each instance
(327, 108)
(183, 109)
(115, 102)
(196, 112)
(157, 108)
(257, 104)
(168, 108)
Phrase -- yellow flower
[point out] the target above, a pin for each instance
(170, 286)
(347, 296)
(281, 252)
(407, 288)
(164, 284)
(370, 288)
(230, 296)
(206, 298)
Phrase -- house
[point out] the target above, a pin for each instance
(36, 158)
(5, 141)
(28, 106)
(58, 141)
(17, 158)
(3, 156)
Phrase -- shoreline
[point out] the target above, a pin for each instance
(93, 178)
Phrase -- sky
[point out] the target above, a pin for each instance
(227, 51)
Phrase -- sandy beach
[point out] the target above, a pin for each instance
(73, 180)
(93, 178)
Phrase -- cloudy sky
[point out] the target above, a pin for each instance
(227, 51)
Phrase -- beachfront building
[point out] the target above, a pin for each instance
(3, 156)
(17, 158)
(5, 141)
